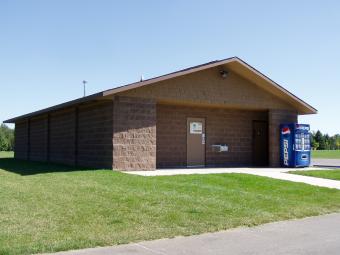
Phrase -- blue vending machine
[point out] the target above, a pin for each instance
(295, 145)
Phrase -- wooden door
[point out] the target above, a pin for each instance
(260, 143)
(195, 142)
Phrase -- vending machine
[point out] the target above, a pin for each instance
(295, 145)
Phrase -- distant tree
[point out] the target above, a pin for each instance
(327, 141)
(319, 138)
(337, 141)
(313, 142)
(315, 145)
(6, 138)
(321, 141)
(332, 143)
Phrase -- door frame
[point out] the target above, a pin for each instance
(253, 141)
(205, 143)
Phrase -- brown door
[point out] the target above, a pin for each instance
(195, 142)
(260, 143)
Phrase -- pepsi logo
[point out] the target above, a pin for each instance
(285, 131)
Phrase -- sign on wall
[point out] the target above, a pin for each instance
(196, 127)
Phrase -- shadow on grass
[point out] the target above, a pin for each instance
(24, 167)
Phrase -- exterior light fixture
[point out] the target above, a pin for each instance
(224, 73)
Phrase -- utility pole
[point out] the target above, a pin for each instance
(84, 82)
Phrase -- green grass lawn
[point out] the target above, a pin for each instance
(326, 174)
(47, 208)
(331, 154)
(6, 154)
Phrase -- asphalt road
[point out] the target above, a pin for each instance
(326, 162)
(315, 235)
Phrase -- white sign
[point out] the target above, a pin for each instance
(224, 147)
(196, 128)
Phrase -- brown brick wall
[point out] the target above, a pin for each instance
(277, 117)
(95, 135)
(232, 127)
(208, 88)
(134, 134)
(38, 139)
(21, 140)
(62, 137)
(171, 136)
(57, 143)
(130, 144)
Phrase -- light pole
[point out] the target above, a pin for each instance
(84, 82)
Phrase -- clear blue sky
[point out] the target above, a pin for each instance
(48, 47)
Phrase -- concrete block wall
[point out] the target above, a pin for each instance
(208, 88)
(62, 136)
(122, 134)
(21, 140)
(277, 117)
(232, 127)
(134, 134)
(38, 139)
(73, 136)
(95, 135)
(171, 136)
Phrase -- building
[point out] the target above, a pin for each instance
(179, 119)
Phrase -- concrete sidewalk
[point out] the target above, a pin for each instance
(276, 173)
(315, 235)
(215, 170)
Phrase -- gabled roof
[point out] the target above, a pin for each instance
(234, 64)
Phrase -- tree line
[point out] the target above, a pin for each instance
(6, 138)
(321, 141)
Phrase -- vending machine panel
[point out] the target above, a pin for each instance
(295, 145)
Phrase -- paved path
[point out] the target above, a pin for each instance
(276, 173)
(326, 162)
(217, 170)
(316, 235)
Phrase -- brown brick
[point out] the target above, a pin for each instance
(207, 88)
(38, 138)
(95, 135)
(134, 134)
(232, 127)
(21, 140)
(62, 136)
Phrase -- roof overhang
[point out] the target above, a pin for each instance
(233, 64)
(57, 107)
